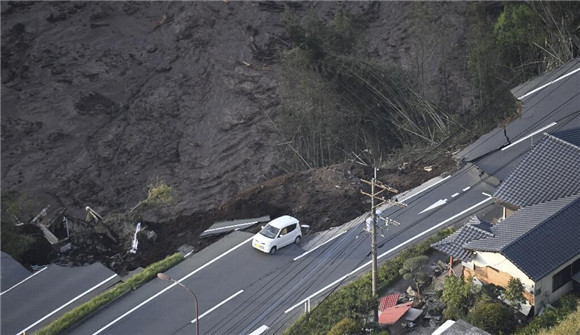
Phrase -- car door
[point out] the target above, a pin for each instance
(286, 235)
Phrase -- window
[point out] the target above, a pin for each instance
(576, 266)
(561, 278)
(291, 227)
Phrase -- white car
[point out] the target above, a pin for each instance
(278, 233)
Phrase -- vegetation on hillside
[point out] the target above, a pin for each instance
(569, 325)
(556, 320)
(523, 41)
(337, 102)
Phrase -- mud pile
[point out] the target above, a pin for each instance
(100, 99)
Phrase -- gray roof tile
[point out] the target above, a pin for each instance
(453, 244)
(551, 170)
(539, 238)
(570, 136)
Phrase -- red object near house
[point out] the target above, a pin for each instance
(392, 314)
(388, 301)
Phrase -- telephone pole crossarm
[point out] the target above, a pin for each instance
(381, 185)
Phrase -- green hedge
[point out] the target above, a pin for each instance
(84, 310)
(551, 316)
(355, 301)
(570, 325)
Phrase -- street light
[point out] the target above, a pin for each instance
(163, 276)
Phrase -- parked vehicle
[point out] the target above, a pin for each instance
(278, 233)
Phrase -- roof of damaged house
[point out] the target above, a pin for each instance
(453, 244)
(549, 171)
(537, 239)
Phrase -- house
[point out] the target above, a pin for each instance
(549, 171)
(538, 237)
(539, 244)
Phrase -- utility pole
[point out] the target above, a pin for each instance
(376, 195)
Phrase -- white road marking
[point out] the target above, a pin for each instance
(169, 287)
(530, 135)
(486, 194)
(467, 188)
(339, 280)
(454, 195)
(218, 305)
(68, 303)
(550, 83)
(232, 226)
(25, 279)
(425, 189)
(311, 250)
(259, 330)
(437, 203)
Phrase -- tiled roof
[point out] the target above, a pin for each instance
(537, 239)
(549, 171)
(388, 301)
(453, 244)
(570, 136)
(549, 245)
(392, 314)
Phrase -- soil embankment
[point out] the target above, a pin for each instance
(99, 99)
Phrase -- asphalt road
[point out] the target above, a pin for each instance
(264, 290)
(551, 102)
(11, 272)
(49, 292)
(241, 290)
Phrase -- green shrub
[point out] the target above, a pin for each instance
(551, 316)
(16, 208)
(570, 325)
(493, 317)
(84, 310)
(346, 326)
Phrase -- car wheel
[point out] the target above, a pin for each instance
(273, 250)
(298, 238)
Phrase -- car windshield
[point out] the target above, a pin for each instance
(269, 231)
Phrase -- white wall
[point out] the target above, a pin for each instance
(544, 287)
(499, 262)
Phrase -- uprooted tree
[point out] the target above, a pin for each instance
(158, 193)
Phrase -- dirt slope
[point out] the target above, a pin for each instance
(101, 98)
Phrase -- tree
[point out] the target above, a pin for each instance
(514, 292)
(413, 270)
(456, 296)
(158, 193)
